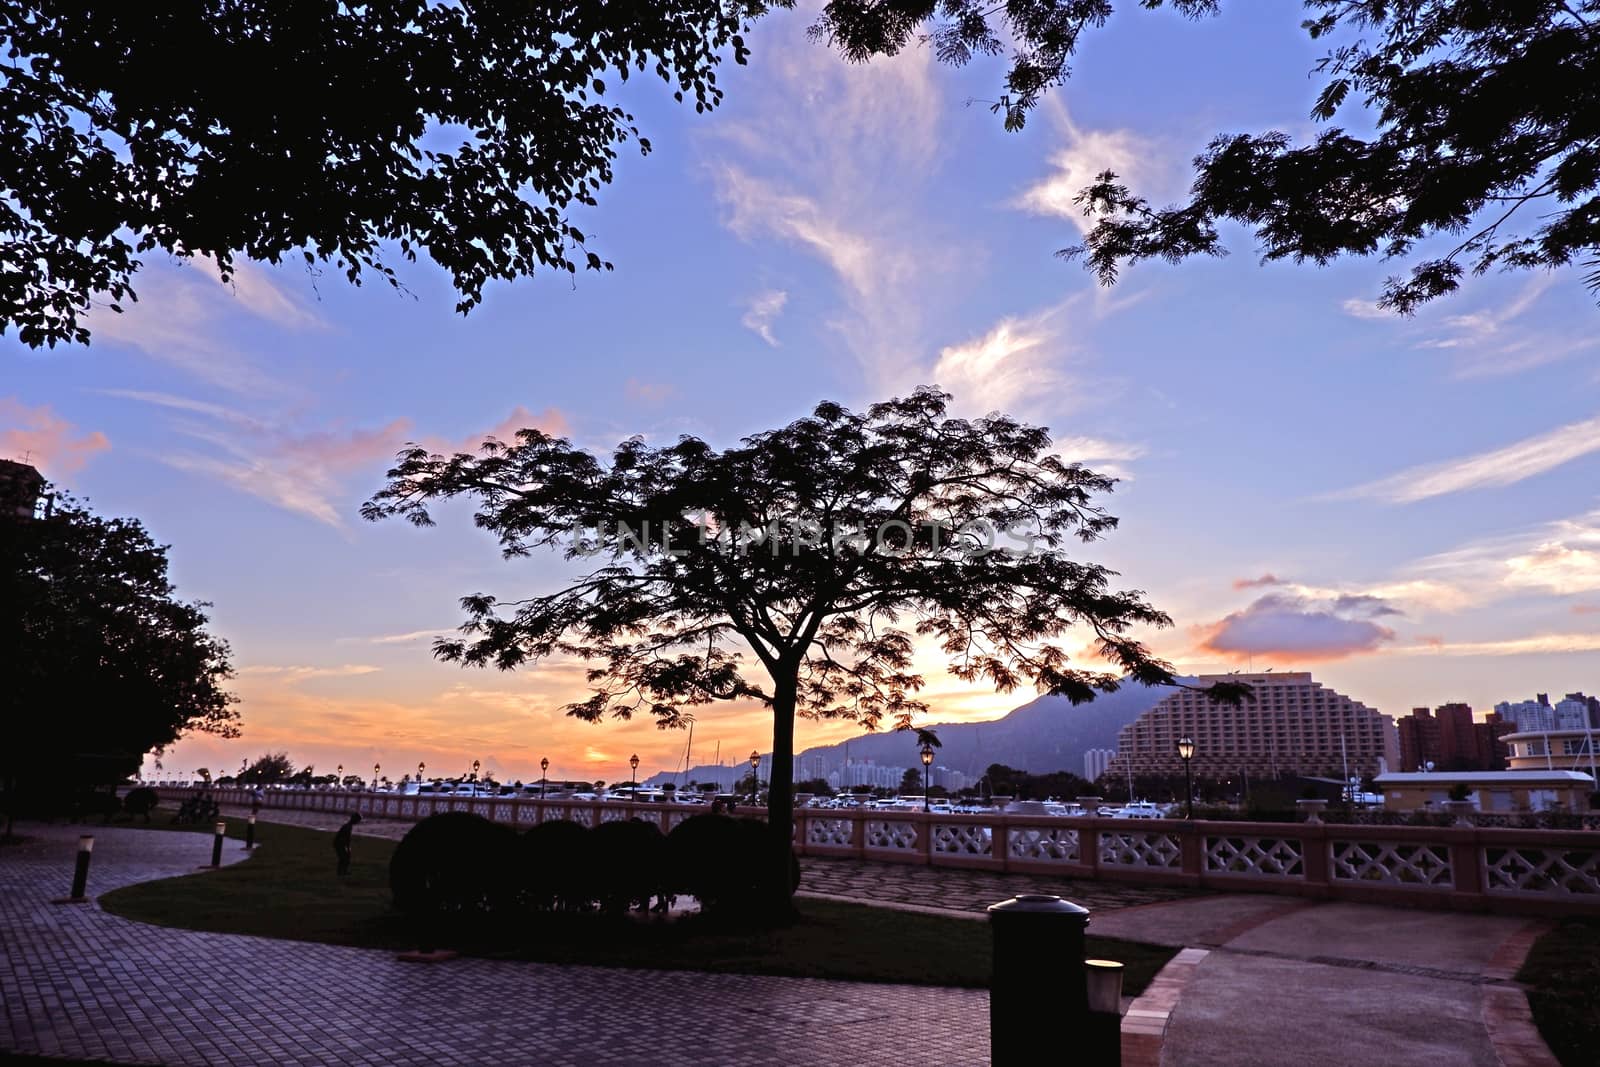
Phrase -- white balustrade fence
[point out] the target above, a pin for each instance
(1474, 868)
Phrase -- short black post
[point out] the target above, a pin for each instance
(1038, 974)
(250, 834)
(80, 874)
(216, 844)
(1102, 1044)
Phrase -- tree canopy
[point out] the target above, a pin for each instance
(796, 569)
(1484, 150)
(267, 130)
(270, 767)
(103, 662)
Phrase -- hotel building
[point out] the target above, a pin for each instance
(1290, 724)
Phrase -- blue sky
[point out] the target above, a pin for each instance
(1411, 501)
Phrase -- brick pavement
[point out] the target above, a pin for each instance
(1335, 983)
(76, 981)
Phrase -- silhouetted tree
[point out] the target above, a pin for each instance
(270, 767)
(320, 132)
(1478, 111)
(102, 662)
(821, 549)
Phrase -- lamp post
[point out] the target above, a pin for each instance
(1186, 753)
(421, 769)
(755, 777)
(927, 767)
(633, 764)
(375, 769)
(475, 766)
(338, 774)
(544, 773)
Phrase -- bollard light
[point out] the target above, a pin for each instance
(1104, 980)
(1101, 1039)
(216, 843)
(80, 874)
(250, 834)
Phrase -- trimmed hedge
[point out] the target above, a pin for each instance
(457, 866)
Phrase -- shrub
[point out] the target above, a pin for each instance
(705, 860)
(627, 861)
(454, 865)
(141, 801)
(722, 861)
(554, 867)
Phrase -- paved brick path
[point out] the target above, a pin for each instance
(1272, 980)
(76, 981)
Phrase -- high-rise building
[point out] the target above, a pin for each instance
(1449, 739)
(1528, 715)
(1289, 723)
(1419, 740)
(1095, 762)
(1576, 712)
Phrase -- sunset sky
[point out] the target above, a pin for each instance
(1407, 507)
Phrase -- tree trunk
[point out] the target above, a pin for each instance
(780, 800)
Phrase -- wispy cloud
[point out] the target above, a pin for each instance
(1017, 358)
(1487, 470)
(1539, 644)
(44, 439)
(1083, 155)
(409, 637)
(1496, 340)
(649, 393)
(761, 311)
(301, 473)
(294, 673)
(1255, 583)
(182, 318)
(305, 472)
(831, 158)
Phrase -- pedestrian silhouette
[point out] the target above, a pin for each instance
(341, 842)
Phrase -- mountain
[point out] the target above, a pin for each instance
(1046, 734)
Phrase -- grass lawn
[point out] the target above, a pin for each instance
(1563, 978)
(289, 890)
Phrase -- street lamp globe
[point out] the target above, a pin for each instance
(1185, 748)
(927, 755)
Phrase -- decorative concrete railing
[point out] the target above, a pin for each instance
(1469, 868)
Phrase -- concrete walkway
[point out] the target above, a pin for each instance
(1265, 980)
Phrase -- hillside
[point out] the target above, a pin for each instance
(1045, 734)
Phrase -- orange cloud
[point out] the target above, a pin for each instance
(44, 439)
(1252, 583)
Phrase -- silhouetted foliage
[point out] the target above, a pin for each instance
(464, 131)
(670, 619)
(556, 871)
(269, 768)
(102, 662)
(629, 863)
(141, 801)
(1008, 781)
(454, 865)
(1479, 111)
